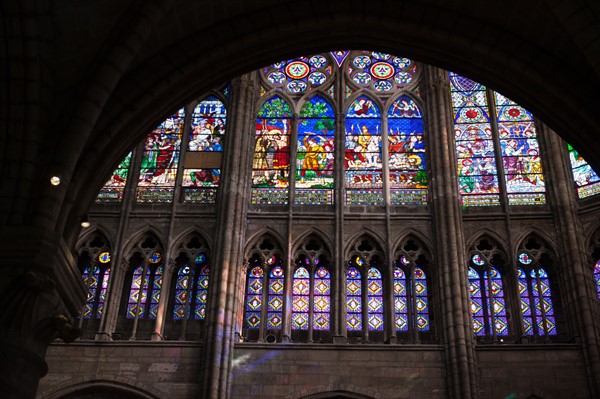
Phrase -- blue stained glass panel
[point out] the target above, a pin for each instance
(353, 300)
(586, 179)
(254, 290)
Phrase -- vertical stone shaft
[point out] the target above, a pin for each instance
(574, 273)
(448, 233)
(231, 211)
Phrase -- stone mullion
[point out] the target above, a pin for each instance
(448, 230)
(311, 301)
(576, 281)
(388, 276)
(144, 281)
(289, 266)
(115, 282)
(338, 272)
(92, 265)
(231, 214)
(165, 289)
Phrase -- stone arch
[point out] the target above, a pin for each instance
(367, 233)
(262, 233)
(313, 231)
(546, 239)
(486, 232)
(188, 233)
(137, 237)
(87, 235)
(100, 389)
(411, 233)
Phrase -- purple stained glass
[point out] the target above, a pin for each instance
(475, 293)
(421, 301)
(495, 303)
(102, 294)
(182, 292)
(353, 300)
(400, 301)
(381, 72)
(137, 294)
(275, 298)
(254, 291)
(155, 292)
(597, 277)
(536, 302)
(477, 175)
(90, 278)
(375, 299)
(300, 299)
(201, 293)
(322, 299)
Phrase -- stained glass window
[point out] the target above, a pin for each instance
(381, 72)
(322, 299)
(536, 298)
(90, 278)
(400, 303)
(299, 74)
(375, 299)
(488, 307)
(182, 292)
(597, 277)
(201, 293)
(406, 151)
(300, 299)
(363, 153)
(271, 163)
(586, 179)
(275, 299)
(159, 162)
(205, 151)
(353, 299)
(254, 290)
(421, 302)
(143, 287)
(315, 153)
(520, 153)
(115, 187)
(477, 175)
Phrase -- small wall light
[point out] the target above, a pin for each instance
(85, 222)
(55, 180)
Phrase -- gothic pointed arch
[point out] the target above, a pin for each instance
(188, 295)
(488, 274)
(146, 265)
(411, 286)
(539, 288)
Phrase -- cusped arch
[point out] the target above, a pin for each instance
(264, 232)
(542, 236)
(89, 234)
(365, 233)
(312, 231)
(490, 234)
(187, 234)
(138, 236)
(418, 235)
(102, 389)
(271, 94)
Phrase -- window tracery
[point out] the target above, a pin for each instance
(486, 288)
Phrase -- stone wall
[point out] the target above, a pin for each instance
(172, 369)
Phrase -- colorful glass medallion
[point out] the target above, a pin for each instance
(104, 257)
(297, 69)
(155, 258)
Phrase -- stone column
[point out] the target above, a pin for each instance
(450, 255)
(231, 216)
(41, 293)
(575, 275)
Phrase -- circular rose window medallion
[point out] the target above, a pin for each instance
(382, 70)
(297, 69)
